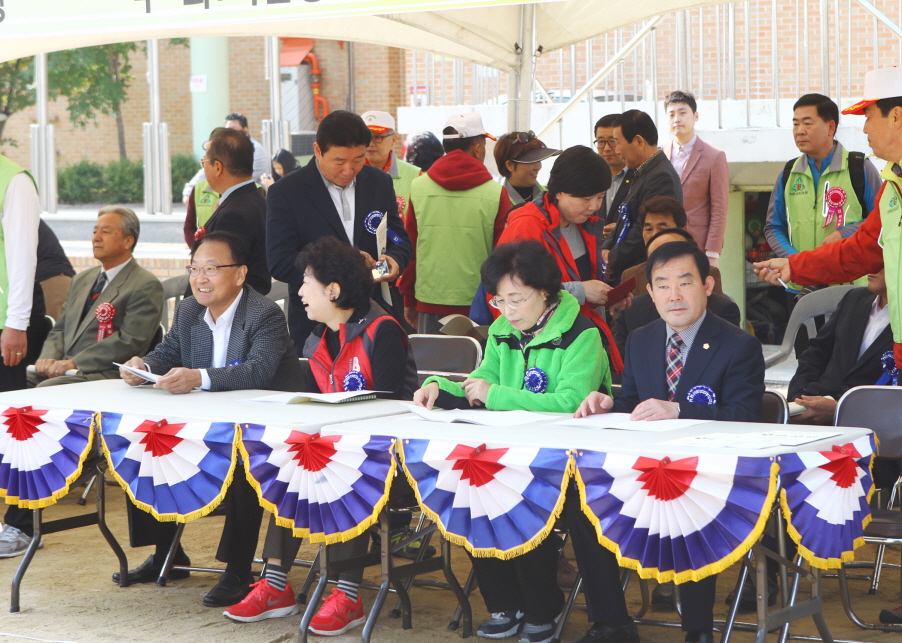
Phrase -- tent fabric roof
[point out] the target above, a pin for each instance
(485, 35)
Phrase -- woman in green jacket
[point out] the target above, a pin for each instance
(541, 355)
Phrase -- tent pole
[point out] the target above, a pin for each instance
(527, 67)
(604, 71)
(156, 156)
(43, 144)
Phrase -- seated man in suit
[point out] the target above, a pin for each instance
(643, 311)
(119, 285)
(226, 337)
(686, 349)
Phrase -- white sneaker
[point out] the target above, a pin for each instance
(14, 543)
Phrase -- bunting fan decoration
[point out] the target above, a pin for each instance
(498, 502)
(326, 488)
(174, 470)
(679, 520)
(41, 453)
(824, 498)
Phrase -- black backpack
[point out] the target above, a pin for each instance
(856, 175)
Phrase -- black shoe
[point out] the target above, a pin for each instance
(602, 633)
(230, 589)
(748, 601)
(695, 636)
(891, 617)
(662, 596)
(149, 571)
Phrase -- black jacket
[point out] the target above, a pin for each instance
(300, 211)
(658, 178)
(830, 365)
(643, 312)
(243, 213)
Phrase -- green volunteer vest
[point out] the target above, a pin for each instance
(205, 200)
(8, 169)
(454, 238)
(805, 204)
(890, 209)
(406, 174)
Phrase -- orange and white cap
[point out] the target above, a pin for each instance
(467, 125)
(379, 122)
(878, 84)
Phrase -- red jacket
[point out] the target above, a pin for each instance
(543, 224)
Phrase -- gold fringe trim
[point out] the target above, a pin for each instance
(492, 552)
(319, 537)
(690, 574)
(170, 517)
(43, 503)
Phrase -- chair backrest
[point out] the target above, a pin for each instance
(774, 409)
(878, 408)
(174, 290)
(819, 302)
(445, 353)
(157, 338)
(278, 293)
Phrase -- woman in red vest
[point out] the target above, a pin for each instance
(357, 346)
(567, 224)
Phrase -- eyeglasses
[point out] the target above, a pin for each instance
(210, 270)
(601, 142)
(513, 304)
(378, 138)
(205, 160)
(525, 137)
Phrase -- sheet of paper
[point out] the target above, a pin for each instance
(140, 372)
(712, 441)
(382, 244)
(298, 398)
(622, 422)
(796, 409)
(789, 438)
(472, 416)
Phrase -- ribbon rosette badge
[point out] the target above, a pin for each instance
(890, 371)
(834, 200)
(104, 313)
(701, 395)
(535, 380)
(200, 233)
(372, 221)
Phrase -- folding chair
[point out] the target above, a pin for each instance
(878, 408)
(278, 293)
(454, 357)
(774, 409)
(174, 290)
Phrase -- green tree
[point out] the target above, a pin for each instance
(15, 91)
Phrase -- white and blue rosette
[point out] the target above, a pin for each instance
(372, 221)
(354, 381)
(890, 370)
(626, 222)
(701, 395)
(535, 380)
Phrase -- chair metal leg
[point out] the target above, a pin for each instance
(463, 602)
(790, 599)
(170, 555)
(318, 591)
(84, 496)
(26, 561)
(468, 589)
(568, 608)
(847, 606)
(408, 582)
(385, 547)
(734, 608)
(646, 598)
(308, 580)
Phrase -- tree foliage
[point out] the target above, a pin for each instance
(16, 93)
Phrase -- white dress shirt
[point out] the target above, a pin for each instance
(20, 219)
(335, 192)
(878, 319)
(222, 331)
(112, 272)
(616, 182)
(679, 154)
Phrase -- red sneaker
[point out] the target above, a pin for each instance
(264, 601)
(337, 615)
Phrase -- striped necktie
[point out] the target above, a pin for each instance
(674, 364)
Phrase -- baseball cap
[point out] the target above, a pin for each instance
(878, 84)
(467, 125)
(379, 122)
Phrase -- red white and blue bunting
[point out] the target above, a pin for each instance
(174, 470)
(498, 502)
(679, 520)
(824, 497)
(41, 453)
(325, 488)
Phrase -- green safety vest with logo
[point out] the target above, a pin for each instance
(806, 213)
(205, 200)
(8, 169)
(889, 205)
(455, 232)
(407, 172)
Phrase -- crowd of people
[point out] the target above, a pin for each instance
(373, 248)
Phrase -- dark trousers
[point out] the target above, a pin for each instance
(601, 578)
(281, 544)
(239, 535)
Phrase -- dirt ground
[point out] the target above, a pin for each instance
(68, 596)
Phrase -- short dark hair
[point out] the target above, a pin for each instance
(241, 118)
(509, 148)
(342, 128)
(580, 172)
(423, 150)
(608, 120)
(681, 97)
(636, 122)
(886, 105)
(826, 108)
(674, 250)
(463, 144)
(664, 205)
(236, 245)
(529, 261)
(333, 261)
(682, 232)
(233, 149)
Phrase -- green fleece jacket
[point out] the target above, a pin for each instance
(568, 350)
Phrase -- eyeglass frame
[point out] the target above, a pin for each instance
(378, 138)
(600, 143)
(493, 302)
(206, 160)
(194, 271)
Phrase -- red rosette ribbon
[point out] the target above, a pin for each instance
(104, 314)
(200, 233)
(835, 199)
